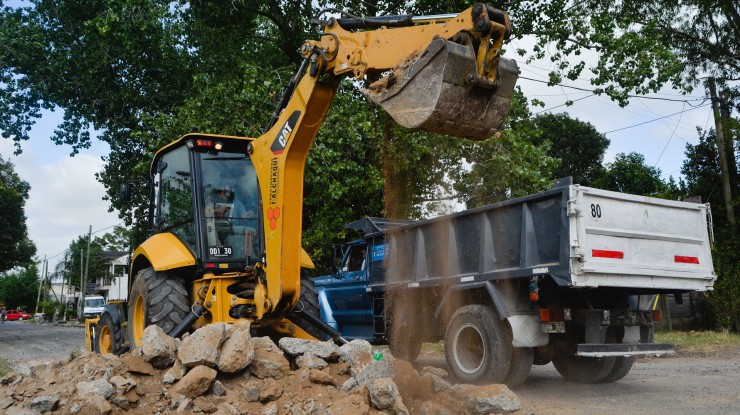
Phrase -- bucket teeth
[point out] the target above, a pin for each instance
(439, 91)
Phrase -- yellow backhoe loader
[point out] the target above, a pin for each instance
(226, 211)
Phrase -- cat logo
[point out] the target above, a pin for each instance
(281, 141)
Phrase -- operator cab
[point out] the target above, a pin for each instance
(206, 194)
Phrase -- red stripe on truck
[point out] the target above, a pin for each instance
(603, 253)
(686, 259)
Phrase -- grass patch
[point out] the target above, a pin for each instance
(4, 368)
(699, 342)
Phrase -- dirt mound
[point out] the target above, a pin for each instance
(221, 369)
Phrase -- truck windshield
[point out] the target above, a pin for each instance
(94, 302)
(230, 204)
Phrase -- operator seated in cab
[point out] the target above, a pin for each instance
(227, 217)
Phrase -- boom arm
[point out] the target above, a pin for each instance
(447, 77)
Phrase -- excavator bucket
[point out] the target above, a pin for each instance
(439, 92)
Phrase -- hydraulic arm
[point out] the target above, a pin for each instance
(438, 73)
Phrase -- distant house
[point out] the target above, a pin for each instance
(113, 285)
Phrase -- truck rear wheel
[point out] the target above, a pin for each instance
(580, 369)
(476, 349)
(156, 298)
(622, 366)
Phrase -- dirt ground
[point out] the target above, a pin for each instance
(662, 386)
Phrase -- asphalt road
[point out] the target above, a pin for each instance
(708, 385)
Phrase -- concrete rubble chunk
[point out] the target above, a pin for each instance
(271, 391)
(251, 392)
(226, 409)
(157, 347)
(321, 377)
(437, 371)
(218, 388)
(137, 365)
(237, 351)
(11, 378)
(384, 396)
(269, 361)
(175, 373)
(45, 403)
(366, 369)
(483, 400)
(271, 409)
(355, 351)
(310, 361)
(196, 382)
(96, 387)
(122, 385)
(203, 346)
(297, 347)
(96, 405)
(439, 384)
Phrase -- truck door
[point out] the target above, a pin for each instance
(346, 294)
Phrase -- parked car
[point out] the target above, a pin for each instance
(11, 315)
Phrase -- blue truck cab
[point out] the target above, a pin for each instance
(345, 303)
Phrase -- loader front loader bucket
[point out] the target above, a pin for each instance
(439, 92)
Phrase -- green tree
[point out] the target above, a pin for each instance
(703, 178)
(628, 173)
(15, 247)
(578, 145)
(509, 164)
(72, 267)
(19, 289)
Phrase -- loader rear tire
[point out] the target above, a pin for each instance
(156, 298)
(309, 300)
(476, 349)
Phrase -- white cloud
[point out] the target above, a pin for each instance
(65, 198)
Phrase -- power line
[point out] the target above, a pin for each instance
(656, 119)
(687, 101)
(671, 137)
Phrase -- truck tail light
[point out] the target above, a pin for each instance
(657, 316)
(605, 253)
(544, 314)
(685, 259)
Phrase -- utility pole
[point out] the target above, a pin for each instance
(38, 296)
(83, 283)
(719, 132)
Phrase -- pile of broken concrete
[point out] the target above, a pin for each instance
(222, 369)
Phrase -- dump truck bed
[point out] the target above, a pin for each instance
(579, 236)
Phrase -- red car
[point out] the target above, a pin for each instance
(12, 315)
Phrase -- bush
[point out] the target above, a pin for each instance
(725, 300)
(49, 308)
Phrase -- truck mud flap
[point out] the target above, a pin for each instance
(624, 349)
(440, 91)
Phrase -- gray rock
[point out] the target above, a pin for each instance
(310, 361)
(226, 409)
(96, 387)
(271, 391)
(196, 382)
(355, 351)
(45, 403)
(75, 409)
(439, 384)
(237, 351)
(251, 392)
(122, 385)
(157, 347)
(218, 388)
(349, 385)
(202, 347)
(269, 361)
(482, 400)
(271, 409)
(297, 347)
(366, 371)
(384, 396)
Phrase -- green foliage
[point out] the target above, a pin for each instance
(509, 164)
(628, 173)
(19, 289)
(725, 300)
(15, 247)
(578, 145)
(71, 268)
(49, 308)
